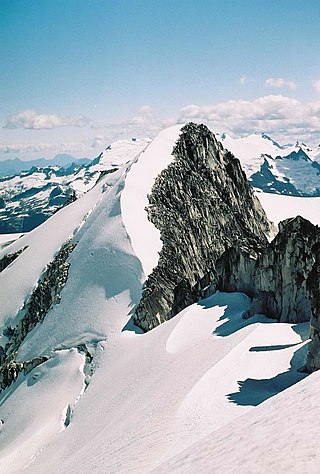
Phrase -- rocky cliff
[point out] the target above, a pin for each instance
(276, 276)
(313, 285)
(202, 204)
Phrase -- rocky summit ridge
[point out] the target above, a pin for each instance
(214, 233)
(202, 204)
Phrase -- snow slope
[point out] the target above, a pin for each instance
(279, 207)
(249, 149)
(146, 401)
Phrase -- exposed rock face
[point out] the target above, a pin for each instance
(43, 297)
(313, 285)
(10, 371)
(9, 258)
(202, 204)
(276, 276)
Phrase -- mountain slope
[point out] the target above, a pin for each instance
(202, 204)
(109, 398)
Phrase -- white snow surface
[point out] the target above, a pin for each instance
(206, 391)
(249, 150)
(279, 207)
(145, 238)
(6, 239)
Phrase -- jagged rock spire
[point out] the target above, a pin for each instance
(202, 204)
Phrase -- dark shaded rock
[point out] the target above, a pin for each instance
(276, 275)
(313, 285)
(9, 258)
(10, 371)
(44, 296)
(202, 204)
(265, 180)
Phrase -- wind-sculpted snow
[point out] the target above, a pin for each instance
(159, 393)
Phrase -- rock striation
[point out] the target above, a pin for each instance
(202, 204)
(277, 277)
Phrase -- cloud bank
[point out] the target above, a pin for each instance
(276, 114)
(286, 119)
(30, 119)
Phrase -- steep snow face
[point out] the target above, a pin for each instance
(249, 150)
(295, 174)
(104, 283)
(111, 399)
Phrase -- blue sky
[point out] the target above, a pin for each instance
(77, 74)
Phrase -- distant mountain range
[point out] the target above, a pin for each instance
(30, 197)
(11, 167)
(288, 169)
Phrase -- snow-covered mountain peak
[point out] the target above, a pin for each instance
(87, 391)
(295, 155)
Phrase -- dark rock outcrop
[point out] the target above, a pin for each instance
(9, 372)
(46, 294)
(9, 258)
(202, 204)
(280, 175)
(313, 285)
(265, 180)
(275, 277)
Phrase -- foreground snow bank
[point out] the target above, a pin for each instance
(165, 390)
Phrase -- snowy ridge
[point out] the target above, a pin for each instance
(149, 397)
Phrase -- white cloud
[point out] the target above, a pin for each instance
(275, 114)
(284, 118)
(44, 148)
(30, 119)
(316, 85)
(279, 82)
